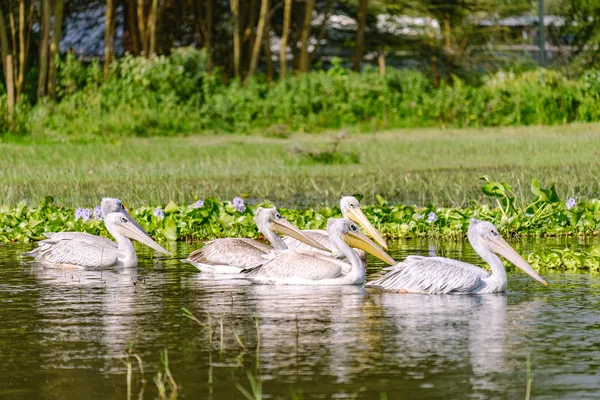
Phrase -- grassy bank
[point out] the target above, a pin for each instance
(434, 166)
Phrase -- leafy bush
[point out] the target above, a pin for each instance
(174, 94)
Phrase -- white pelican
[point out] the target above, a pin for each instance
(439, 275)
(311, 268)
(85, 250)
(231, 255)
(350, 208)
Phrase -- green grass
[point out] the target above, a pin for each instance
(409, 166)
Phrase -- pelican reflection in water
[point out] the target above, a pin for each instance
(350, 208)
(85, 250)
(439, 275)
(232, 255)
(311, 268)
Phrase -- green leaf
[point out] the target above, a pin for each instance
(47, 201)
(544, 195)
(380, 200)
(494, 189)
(171, 207)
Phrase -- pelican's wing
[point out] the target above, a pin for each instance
(299, 265)
(239, 253)
(437, 275)
(80, 236)
(68, 250)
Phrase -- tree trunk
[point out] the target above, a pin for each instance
(258, 42)
(54, 50)
(130, 35)
(204, 27)
(151, 30)
(381, 63)
(108, 38)
(304, 63)
(22, 50)
(322, 30)
(10, 87)
(141, 20)
(4, 44)
(235, 11)
(208, 11)
(249, 34)
(44, 36)
(447, 35)
(200, 23)
(360, 34)
(267, 50)
(7, 61)
(287, 17)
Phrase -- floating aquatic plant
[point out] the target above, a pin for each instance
(98, 213)
(238, 203)
(159, 213)
(431, 218)
(84, 214)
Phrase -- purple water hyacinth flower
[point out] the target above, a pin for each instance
(159, 213)
(83, 214)
(78, 213)
(98, 213)
(199, 204)
(238, 203)
(431, 218)
(86, 214)
(571, 203)
(419, 216)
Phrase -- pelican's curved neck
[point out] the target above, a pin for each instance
(498, 276)
(357, 270)
(273, 238)
(127, 255)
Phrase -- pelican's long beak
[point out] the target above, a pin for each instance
(134, 231)
(499, 246)
(356, 215)
(287, 228)
(360, 241)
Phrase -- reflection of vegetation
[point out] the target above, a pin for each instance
(255, 392)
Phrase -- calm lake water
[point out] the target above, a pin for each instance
(65, 334)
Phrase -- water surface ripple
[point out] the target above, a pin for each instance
(65, 333)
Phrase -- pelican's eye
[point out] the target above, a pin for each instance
(493, 232)
(278, 216)
(353, 228)
(124, 220)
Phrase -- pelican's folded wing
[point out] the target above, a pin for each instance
(432, 275)
(237, 252)
(54, 251)
(299, 265)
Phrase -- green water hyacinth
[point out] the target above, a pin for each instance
(545, 215)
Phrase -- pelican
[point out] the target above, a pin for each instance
(85, 250)
(439, 275)
(232, 255)
(311, 268)
(350, 209)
